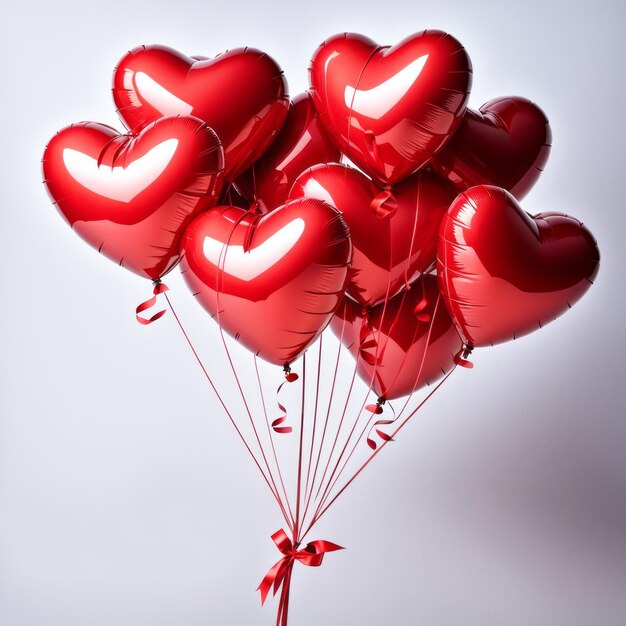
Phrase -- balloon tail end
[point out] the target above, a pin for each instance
(461, 357)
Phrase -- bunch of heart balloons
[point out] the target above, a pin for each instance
(376, 203)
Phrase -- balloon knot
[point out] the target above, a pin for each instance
(377, 408)
(460, 358)
(290, 376)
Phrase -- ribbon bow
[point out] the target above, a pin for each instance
(279, 575)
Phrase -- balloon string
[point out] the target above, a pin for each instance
(253, 425)
(385, 301)
(369, 421)
(423, 360)
(390, 260)
(343, 415)
(314, 427)
(326, 420)
(282, 616)
(371, 382)
(320, 500)
(332, 482)
(221, 401)
(269, 432)
(376, 453)
(416, 214)
(369, 425)
(378, 352)
(414, 232)
(221, 263)
(296, 528)
(255, 199)
(407, 401)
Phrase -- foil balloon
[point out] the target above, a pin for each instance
(389, 109)
(506, 143)
(504, 273)
(241, 94)
(392, 245)
(301, 143)
(272, 281)
(131, 197)
(402, 345)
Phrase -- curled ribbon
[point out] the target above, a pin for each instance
(384, 203)
(377, 409)
(279, 575)
(159, 288)
(367, 341)
(278, 424)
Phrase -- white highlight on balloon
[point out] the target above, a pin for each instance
(248, 264)
(119, 183)
(313, 189)
(378, 100)
(160, 98)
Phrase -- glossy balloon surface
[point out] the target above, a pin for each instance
(507, 144)
(300, 144)
(129, 197)
(390, 250)
(389, 109)
(505, 273)
(242, 94)
(271, 281)
(399, 348)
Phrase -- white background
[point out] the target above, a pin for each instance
(125, 498)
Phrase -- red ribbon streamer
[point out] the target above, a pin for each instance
(159, 288)
(279, 575)
(279, 423)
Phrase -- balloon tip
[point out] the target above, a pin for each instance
(461, 357)
(377, 408)
(290, 376)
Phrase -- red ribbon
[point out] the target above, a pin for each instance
(385, 203)
(159, 288)
(279, 423)
(460, 358)
(279, 575)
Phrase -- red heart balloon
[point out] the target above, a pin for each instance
(301, 143)
(507, 144)
(389, 109)
(132, 197)
(272, 281)
(403, 345)
(390, 247)
(241, 94)
(504, 273)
